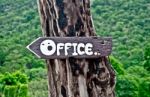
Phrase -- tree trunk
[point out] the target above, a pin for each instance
(74, 77)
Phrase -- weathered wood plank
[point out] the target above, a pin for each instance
(77, 47)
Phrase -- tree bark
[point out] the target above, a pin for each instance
(74, 77)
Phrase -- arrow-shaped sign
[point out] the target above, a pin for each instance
(64, 47)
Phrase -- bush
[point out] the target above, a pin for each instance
(23, 90)
(13, 85)
(38, 88)
(147, 58)
(127, 86)
(118, 66)
(144, 87)
(36, 73)
(10, 91)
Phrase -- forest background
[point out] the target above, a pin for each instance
(126, 21)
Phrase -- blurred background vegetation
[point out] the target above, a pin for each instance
(126, 21)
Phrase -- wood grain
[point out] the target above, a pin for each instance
(103, 46)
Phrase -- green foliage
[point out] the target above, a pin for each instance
(118, 66)
(38, 88)
(20, 77)
(36, 74)
(144, 87)
(2, 57)
(1, 86)
(14, 85)
(126, 21)
(10, 91)
(23, 90)
(16, 90)
(127, 86)
(138, 71)
(147, 58)
(14, 79)
(8, 79)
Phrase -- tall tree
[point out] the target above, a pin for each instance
(74, 77)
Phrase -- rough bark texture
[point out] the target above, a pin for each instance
(73, 77)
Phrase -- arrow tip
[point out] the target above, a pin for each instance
(28, 47)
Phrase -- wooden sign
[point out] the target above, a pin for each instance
(65, 47)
